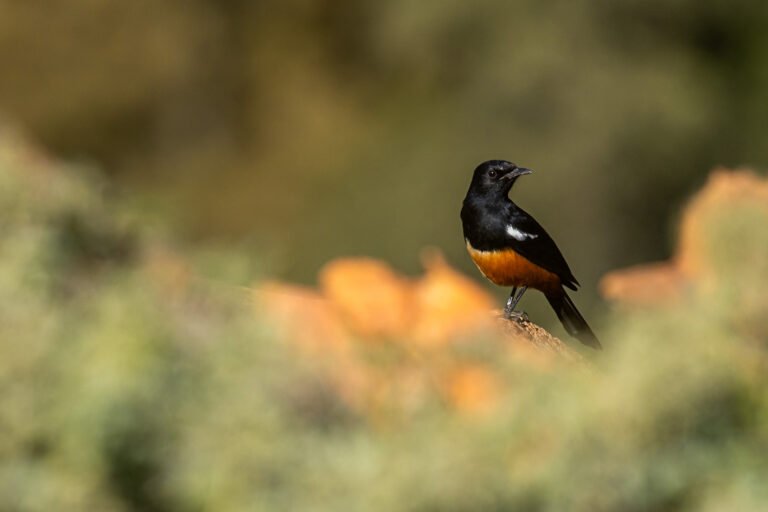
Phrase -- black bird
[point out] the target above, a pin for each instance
(511, 249)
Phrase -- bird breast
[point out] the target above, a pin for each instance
(508, 268)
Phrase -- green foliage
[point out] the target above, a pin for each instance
(119, 392)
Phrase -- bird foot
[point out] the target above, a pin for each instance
(517, 316)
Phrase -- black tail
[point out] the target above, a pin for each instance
(572, 320)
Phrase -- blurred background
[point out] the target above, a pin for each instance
(314, 128)
(289, 133)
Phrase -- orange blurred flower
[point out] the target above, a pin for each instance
(692, 262)
(371, 300)
(473, 389)
(362, 302)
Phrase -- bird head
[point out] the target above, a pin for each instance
(496, 176)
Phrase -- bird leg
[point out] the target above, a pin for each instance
(509, 309)
(510, 305)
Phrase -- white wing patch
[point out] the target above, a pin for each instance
(518, 235)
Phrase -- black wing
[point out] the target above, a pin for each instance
(534, 243)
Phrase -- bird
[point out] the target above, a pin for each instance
(510, 248)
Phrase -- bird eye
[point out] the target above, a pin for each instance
(492, 173)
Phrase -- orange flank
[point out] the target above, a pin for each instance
(508, 268)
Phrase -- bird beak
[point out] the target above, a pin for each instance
(517, 171)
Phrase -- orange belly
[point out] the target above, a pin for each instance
(508, 268)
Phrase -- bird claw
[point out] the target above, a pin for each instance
(517, 316)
